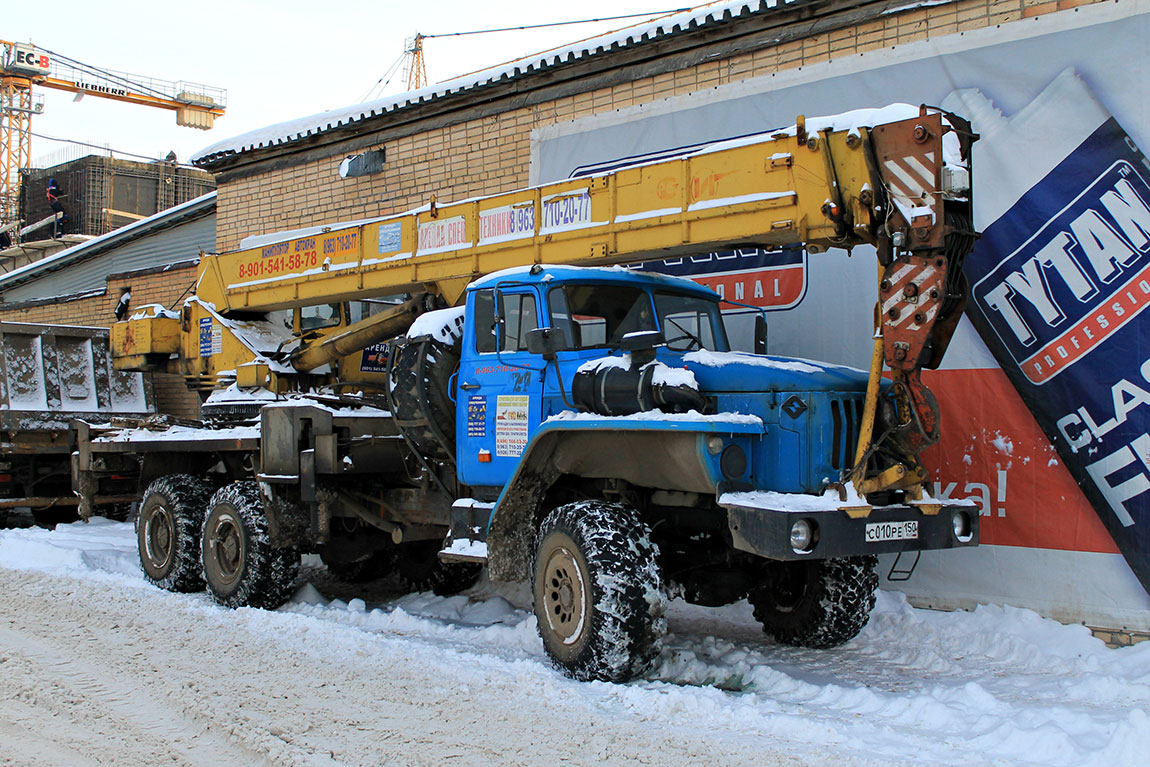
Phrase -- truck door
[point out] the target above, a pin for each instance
(500, 385)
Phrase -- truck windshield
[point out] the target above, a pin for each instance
(690, 322)
(600, 315)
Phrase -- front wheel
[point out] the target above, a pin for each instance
(816, 603)
(599, 598)
(241, 567)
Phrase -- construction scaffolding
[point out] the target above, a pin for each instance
(102, 193)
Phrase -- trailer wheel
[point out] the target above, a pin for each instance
(241, 567)
(369, 567)
(421, 569)
(168, 529)
(817, 603)
(599, 598)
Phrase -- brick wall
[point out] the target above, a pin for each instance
(492, 155)
(149, 286)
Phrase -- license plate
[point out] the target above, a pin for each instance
(892, 531)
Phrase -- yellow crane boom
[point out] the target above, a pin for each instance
(866, 178)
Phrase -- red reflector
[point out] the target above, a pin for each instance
(484, 456)
(5, 477)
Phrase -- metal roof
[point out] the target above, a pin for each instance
(190, 210)
(706, 16)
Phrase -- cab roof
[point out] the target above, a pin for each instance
(531, 275)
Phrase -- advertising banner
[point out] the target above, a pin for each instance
(1045, 392)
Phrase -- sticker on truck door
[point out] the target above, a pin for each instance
(511, 424)
(477, 416)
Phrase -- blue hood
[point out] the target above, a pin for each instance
(742, 372)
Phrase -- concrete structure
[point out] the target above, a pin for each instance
(154, 259)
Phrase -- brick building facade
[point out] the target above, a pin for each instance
(478, 142)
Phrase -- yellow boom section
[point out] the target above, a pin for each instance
(772, 191)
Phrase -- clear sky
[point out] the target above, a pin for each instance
(277, 59)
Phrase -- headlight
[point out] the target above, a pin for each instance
(803, 536)
(961, 521)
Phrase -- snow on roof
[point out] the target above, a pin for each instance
(98, 244)
(294, 130)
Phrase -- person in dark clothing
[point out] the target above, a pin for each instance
(54, 195)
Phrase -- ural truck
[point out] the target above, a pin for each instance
(49, 375)
(483, 383)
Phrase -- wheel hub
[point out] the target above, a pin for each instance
(158, 535)
(564, 595)
(226, 546)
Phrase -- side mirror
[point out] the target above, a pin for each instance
(760, 334)
(546, 342)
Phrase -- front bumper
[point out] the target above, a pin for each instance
(766, 531)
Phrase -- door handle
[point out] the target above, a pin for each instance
(468, 386)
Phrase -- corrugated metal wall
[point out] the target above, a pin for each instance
(179, 243)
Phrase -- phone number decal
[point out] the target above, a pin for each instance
(266, 267)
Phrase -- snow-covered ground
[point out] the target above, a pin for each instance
(97, 667)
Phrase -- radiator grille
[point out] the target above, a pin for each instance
(846, 417)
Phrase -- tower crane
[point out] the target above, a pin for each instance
(24, 66)
(415, 71)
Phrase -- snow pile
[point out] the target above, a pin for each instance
(691, 416)
(665, 375)
(444, 325)
(152, 311)
(792, 364)
(234, 395)
(179, 434)
(77, 548)
(1000, 685)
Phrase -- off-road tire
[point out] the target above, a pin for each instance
(420, 388)
(598, 592)
(168, 532)
(816, 603)
(369, 567)
(241, 567)
(117, 512)
(421, 569)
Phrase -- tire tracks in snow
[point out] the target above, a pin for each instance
(125, 674)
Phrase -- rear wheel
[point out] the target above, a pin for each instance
(168, 529)
(241, 567)
(421, 569)
(599, 598)
(816, 603)
(366, 567)
(117, 512)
